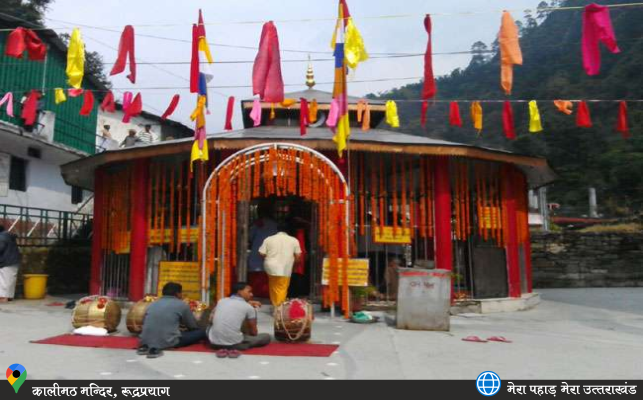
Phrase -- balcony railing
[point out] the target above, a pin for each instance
(42, 227)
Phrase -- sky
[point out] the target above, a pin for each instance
(303, 26)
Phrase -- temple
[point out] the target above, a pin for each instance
(392, 199)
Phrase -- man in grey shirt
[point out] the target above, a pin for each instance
(234, 323)
(162, 320)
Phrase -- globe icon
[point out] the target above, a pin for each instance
(488, 383)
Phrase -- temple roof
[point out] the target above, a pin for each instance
(81, 173)
(322, 97)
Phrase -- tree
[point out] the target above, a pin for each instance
(480, 53)
(530, 21)
(542, 11)
(31, 11)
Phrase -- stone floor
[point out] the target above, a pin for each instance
(572, 334)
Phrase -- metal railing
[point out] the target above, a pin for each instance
(43, 227)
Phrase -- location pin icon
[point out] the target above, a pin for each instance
(16, 375)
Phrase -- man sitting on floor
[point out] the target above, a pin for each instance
(234, 323)
(162, 320)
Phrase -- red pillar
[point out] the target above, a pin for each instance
(527, 244)
(511, 247)
(529, 278)
(97, 233)
(443, 237)
(139, 236)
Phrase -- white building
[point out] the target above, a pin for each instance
(162, 129)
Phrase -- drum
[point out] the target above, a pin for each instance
(293, 321)
(200, 312)
(136, 314)
(97, 311)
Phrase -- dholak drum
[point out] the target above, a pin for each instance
(97, 311)
(199, 310)
(136, 314)
(293, 321)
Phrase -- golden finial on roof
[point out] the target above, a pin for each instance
(310, 75)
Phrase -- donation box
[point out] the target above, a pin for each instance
(423, 299)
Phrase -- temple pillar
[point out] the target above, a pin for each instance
(97, 233)
(140, 234)
(511, 245)
(442, 201)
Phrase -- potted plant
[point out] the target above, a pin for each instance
(359, 296)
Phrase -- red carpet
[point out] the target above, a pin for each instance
(131, 343)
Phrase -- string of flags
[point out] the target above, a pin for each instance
(349, 50)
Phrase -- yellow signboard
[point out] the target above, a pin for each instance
(357, 272)
(188, 274)
(388, 236)
(155, 235)
(489, 217)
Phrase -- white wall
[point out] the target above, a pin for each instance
(45, 185)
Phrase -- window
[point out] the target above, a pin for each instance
(76, 195)
(34, 152)
(18, 174)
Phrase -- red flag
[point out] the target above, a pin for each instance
(621, 123)
(108, 104)
(171, 107)
(21, 39)
(583, 119)
(429, 90)
(425, 108)
(30, 107)
(228, 114)
(508, 121)
(267, 81)
(88, 103)
(15, 44)
(134, 109)
(125, 48)
(303, 116)
(454, 114)
(74, 92)
(194, 62)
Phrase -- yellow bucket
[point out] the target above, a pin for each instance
(35, 286)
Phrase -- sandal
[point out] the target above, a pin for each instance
(501, 339)
(234, 354)
(155, 353)
(474, 339)
(223, 353)
(143, 350)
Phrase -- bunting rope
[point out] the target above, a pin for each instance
(374, 17)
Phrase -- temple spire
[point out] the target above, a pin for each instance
(310, 75)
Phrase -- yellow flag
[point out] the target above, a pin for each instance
(476, 115)
(199, 112)
(391, 114)
(354, 49)
(59, 96)
(535, 123)
(199, 154)
(342, 132)
(75, 60)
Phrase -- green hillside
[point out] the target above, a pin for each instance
(552, 69)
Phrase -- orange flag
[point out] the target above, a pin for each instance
(510, 53)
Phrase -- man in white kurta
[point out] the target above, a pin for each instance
(9, 263)
(280, 252)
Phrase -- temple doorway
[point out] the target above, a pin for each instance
(253, 191)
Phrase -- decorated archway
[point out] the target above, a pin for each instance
(275, 169)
